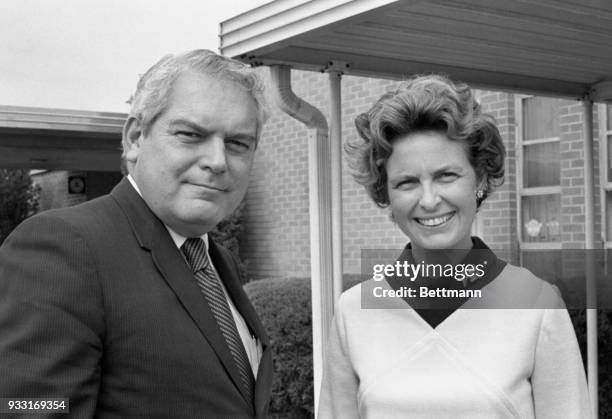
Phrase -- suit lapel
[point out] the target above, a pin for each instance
(263, 387)
(153, 235)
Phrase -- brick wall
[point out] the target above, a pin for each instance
(276, 237)
(572, 177)
(498, 214)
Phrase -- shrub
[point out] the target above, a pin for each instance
(18, 199)
(604, 346)
(285, 310)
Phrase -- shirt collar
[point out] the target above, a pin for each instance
(479, 254)
(176, 237)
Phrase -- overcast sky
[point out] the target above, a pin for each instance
(87, 54)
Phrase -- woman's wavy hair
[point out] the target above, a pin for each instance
(422, 104)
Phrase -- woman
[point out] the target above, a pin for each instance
(428, 153)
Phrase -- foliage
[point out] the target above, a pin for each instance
(284, 308)
(18, 199)
(604, 329)
(227, 234)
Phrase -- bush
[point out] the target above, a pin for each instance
(604, 346)
(18, 199)
(285, 311)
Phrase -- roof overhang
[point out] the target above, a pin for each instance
(40, 138)
(548, 47)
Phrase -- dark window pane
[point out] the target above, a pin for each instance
(609, 216)
(609, 158)
(541, 165)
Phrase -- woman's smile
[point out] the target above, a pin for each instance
(435, 221)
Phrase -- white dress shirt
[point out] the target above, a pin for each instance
(252, 346)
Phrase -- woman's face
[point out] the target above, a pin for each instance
(432, 191)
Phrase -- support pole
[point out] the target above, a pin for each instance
(335, 85)
(591, 282)
(320, 198)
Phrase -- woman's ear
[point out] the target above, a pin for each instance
(132, 138)
(482, 184)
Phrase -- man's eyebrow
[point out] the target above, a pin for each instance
(199, 128)
(241, 136)
(187, 123)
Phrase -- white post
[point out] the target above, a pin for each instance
(335, 130)
(320, 197)
(589, 229)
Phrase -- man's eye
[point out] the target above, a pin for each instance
(238, 145)
(188, 134)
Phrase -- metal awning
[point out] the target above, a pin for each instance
(550, 47)
(546, 47)
(60, 139)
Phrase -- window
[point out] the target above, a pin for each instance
(605, 138)
(539, 172)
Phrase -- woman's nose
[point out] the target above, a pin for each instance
(430, 197)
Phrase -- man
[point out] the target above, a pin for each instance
(114, 303)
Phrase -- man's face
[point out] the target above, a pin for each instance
(193, 165)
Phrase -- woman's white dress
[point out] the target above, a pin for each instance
(476, 364)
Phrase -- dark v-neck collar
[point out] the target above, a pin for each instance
(434, 310)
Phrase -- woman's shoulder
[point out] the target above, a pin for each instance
(351, 298)
(522, 288)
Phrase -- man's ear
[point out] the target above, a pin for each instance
(132, 138)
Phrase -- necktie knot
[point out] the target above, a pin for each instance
(196, 254)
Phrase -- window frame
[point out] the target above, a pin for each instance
(605, 183)
(523, 191)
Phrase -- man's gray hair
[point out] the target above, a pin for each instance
(153, 89)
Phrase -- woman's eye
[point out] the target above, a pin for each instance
(406, 184)
(448, 176)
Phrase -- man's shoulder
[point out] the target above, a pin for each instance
(96, 217)
(85, 213)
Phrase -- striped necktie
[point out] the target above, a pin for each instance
(209, 283)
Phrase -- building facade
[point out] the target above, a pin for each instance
(539, 207)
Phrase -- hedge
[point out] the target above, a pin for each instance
(285, 310)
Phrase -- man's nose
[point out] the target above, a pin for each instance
(430, 198)
(213, 154)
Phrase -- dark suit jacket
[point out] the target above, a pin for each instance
(98, 305)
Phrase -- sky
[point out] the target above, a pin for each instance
(88, 54)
